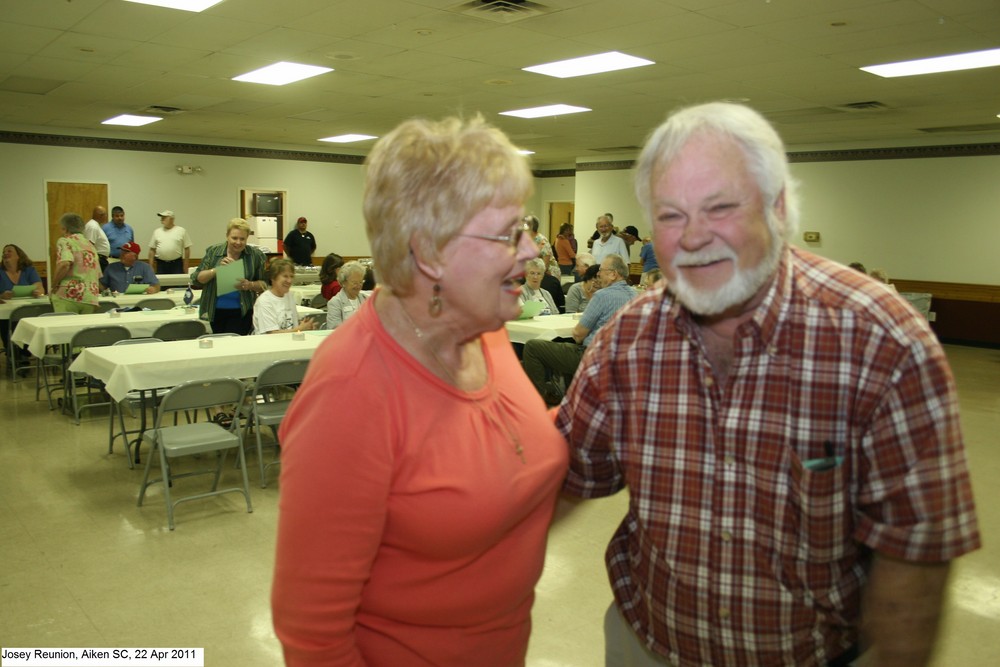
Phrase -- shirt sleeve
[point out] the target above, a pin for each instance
(334, 313)
(334, 494)
(587, 421)
(915, 499)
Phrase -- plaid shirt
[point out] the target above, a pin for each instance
(736, 550)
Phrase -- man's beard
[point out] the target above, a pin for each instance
(740, 288)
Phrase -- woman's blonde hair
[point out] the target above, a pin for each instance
(238, 223)
(426, 180)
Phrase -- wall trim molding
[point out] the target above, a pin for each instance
(171, 147)
(845, 155)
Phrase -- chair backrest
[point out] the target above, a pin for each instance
(227, 334)
(156, 304)
(136, 341)
(99, 336)
(105, 306)
(53, 314)
(28, 310)
(198, 394)
(180, 330)
(318, 301)
(286, 371)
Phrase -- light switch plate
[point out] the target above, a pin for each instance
(810, 237)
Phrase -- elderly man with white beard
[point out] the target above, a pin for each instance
(787, 430)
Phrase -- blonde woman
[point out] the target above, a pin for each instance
(232, 311)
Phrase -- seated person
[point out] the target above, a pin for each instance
(18, 271)
(328, 275)
(650, 278)
(579, 293)
(275, 311)
(553, 286)
(534, 271)
(348, 301)
(583, 260)
(545, 358)
(130, 271)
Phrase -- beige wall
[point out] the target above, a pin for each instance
(934, 219)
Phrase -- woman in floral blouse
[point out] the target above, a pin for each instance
(76, 271)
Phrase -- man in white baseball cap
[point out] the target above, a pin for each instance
(170, 246)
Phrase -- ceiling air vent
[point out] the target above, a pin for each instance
(501, 11)
(162, 110)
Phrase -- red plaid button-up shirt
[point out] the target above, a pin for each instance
(754, 506)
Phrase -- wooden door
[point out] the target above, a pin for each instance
(80, 198)
(560, 212)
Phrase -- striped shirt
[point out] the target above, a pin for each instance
(754, 505)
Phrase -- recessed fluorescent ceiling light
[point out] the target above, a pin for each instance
(540, 112)
(281, 73)
(186, 5)
(128, 119)
(348, 138)
(602, 62)
(959, 61)
(525, 151)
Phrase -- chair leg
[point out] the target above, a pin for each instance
(165, 469)
(145, 477)
(246, 479)
(260, 454)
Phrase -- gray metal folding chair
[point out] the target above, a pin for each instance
(54, 357)
(318, 301)
(168, 443)
(13, 352)
(105, 306)
(100, 336)
(134, 401)
(264, 408)
(156, 303)
(180, 330)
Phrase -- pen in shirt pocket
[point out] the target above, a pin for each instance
(828, 462)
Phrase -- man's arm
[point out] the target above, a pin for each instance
(580, 333)
(901, 610)
(187, 259)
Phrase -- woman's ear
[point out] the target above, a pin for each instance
(431, 269)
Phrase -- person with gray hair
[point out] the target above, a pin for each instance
(77, 270)
(548, 359)
(419, 473)
(348, 300)
(787, 430)
(534, 271)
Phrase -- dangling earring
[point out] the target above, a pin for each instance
(435, 304)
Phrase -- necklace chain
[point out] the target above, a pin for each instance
(502, 423)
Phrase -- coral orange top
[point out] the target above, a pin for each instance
(410, 530)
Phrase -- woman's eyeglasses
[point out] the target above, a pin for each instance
(512, 239)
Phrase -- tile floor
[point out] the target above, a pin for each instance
(81, 565)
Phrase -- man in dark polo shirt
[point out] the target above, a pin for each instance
(300, 244)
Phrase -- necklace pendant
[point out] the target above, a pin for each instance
(520, 452)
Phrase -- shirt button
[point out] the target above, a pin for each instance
(724, 612)
(728, 461)
(727, 536)
(709, 381)
(772, 350)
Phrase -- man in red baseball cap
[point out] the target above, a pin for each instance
(130, 271)
(300, 244)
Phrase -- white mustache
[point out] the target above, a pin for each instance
(702, 257)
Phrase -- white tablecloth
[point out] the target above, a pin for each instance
(123, 300)
(304, 292)
(154, 365)
(36, 333)
(545, 327)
